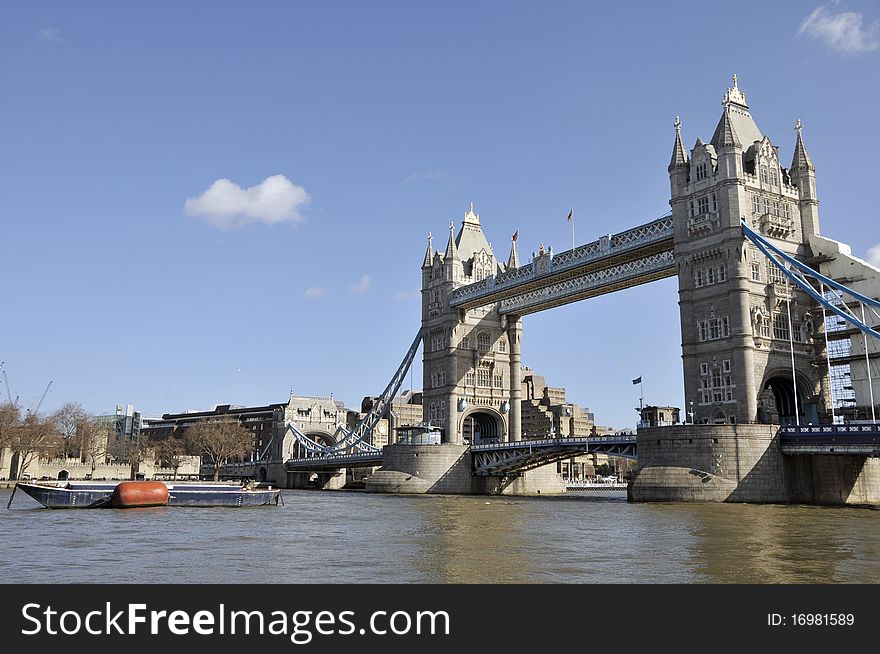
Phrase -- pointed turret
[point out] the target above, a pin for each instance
(451, 253)
(679, 152)
(803, 175)
(725, 133)
(801, 160)
(513, 259)
(429, 253)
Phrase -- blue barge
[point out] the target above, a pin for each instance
(98, 495)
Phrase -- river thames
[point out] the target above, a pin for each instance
(355, 537)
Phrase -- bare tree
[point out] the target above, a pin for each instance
(171, 452)
(220, 440)
(132, 451)
(10, 422)
(94, 439)
(67, 421)
(36, 437)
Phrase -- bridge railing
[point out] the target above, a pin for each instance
(559, 442)
(637, 237)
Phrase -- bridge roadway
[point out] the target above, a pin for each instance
(855, 438)
(636, 256)
(491, 459)
(504, 459)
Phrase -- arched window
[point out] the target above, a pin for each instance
(483, 344)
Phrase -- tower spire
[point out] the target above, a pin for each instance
(429, 253)
(679, 152)
(725, 134)
(801, 160)
(451, 248)
(734, 95)
(513, 259)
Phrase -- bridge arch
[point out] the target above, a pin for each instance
(481, 424)
(322, 436)
(777, 398)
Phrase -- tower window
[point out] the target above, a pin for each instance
(756, 272)
(483, 344)
(714, 203)
(469, 378)
(780, 326)
(774, 274)
(722, 273)
(703, 205)
(483, 377)
(702, 171)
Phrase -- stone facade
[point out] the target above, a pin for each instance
(471, 362)
(735, 306)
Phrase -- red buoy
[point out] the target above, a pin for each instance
(134, 494)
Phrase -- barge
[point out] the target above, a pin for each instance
(135, 494)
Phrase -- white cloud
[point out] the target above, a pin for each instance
(51, 34)
(874, 255)
(408, 295)
(842, 31)
(314, 293)
(226, 205)
(432, 175)
(362, 285)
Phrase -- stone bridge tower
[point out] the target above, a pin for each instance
(471, 360)
(740, 320)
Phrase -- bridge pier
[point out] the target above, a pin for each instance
(319, 479)
(448, 469)
(745, 463)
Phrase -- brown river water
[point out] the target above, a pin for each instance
(355, 537)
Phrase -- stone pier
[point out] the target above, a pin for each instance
(744, 463)
(448, 469)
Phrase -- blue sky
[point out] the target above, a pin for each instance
(374, 124)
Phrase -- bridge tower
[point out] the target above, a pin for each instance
(471, 359)
(743, 328)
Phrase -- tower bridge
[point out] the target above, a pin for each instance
(741, 238)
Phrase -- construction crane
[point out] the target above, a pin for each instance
(42, 397)
(8, 389)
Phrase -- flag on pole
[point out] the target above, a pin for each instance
(638, 380)
(515, 235)
(570, 215)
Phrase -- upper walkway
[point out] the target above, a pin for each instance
(615, 261)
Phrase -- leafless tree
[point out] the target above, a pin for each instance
(133, 451)
(220, 440)
(94, 439)
(36, 437)
(10, 422)
(171, 452)
(67, 421)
